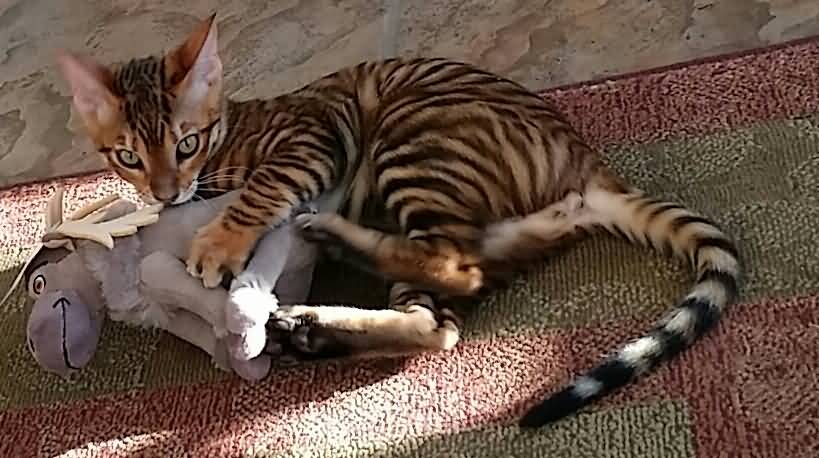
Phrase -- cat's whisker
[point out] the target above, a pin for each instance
(232, 167)
(225, 169)
(237, 168)
(202, 199)
(219, 175)
(216, 179)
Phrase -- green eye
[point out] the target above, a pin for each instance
(188, 146)
(128, 158)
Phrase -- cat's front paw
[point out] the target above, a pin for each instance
(216, 249)
(295, 322)
(300, 330)
(290, 317)
(318, 227)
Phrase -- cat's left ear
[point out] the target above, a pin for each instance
(195, 69)
(92, 91)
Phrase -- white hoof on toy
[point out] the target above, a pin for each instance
(248, 346)
(252, 370)
(248, 307)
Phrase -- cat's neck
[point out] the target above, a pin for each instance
(248, 117)
(233, 144)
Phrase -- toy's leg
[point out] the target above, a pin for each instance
(196, 331)
(251, 300)
(251, 369)
(263, 270)
(165, 280)
(278, 256)
(294, 285)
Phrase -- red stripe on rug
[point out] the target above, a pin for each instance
(336, 404)
(699, 98)
(53, 430)
(23, 207)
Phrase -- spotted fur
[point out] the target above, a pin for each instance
(477, 175)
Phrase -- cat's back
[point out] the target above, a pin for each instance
(390, 80)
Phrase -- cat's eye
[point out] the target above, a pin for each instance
(38, 285)
(188, 146)
(128, 158)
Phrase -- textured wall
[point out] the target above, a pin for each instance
(273, 46)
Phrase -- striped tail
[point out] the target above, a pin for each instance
(667, 227)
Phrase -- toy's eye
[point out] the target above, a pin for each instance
(38, 285)
(188, 146)
(129, 158)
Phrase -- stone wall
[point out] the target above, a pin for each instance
(274, 46)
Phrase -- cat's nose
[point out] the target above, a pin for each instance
(164, 187)
(166, 197)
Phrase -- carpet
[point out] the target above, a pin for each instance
(736, 137)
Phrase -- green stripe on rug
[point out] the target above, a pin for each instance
(761, 184)
(647, 431)
(176, 362)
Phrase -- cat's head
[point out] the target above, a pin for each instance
(153, 118)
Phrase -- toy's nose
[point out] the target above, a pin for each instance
(62, 332)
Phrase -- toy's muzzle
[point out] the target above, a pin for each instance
(62, 331)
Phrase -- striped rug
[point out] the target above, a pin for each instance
(736, 138)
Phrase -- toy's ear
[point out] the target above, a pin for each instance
(195, 69)
(56, 241)
(91, 87)
(42, 266)
(54, 209)
(39, 260)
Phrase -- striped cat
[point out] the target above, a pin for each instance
(478, 175)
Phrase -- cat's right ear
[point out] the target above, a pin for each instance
(91, 85)
(195, 71)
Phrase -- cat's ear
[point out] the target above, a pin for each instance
(91, 85)
(195, 69)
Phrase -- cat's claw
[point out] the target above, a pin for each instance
(286, 319)
(216, 249)
(316, 227)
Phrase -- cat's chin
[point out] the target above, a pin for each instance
(180, 200)
(186, 195)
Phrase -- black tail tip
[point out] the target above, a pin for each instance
(555, 408)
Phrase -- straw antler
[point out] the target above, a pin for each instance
(85, 224)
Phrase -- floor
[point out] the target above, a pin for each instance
(269, 47)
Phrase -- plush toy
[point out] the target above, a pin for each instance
(110, 259)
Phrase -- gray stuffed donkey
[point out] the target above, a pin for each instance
(109, 259)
